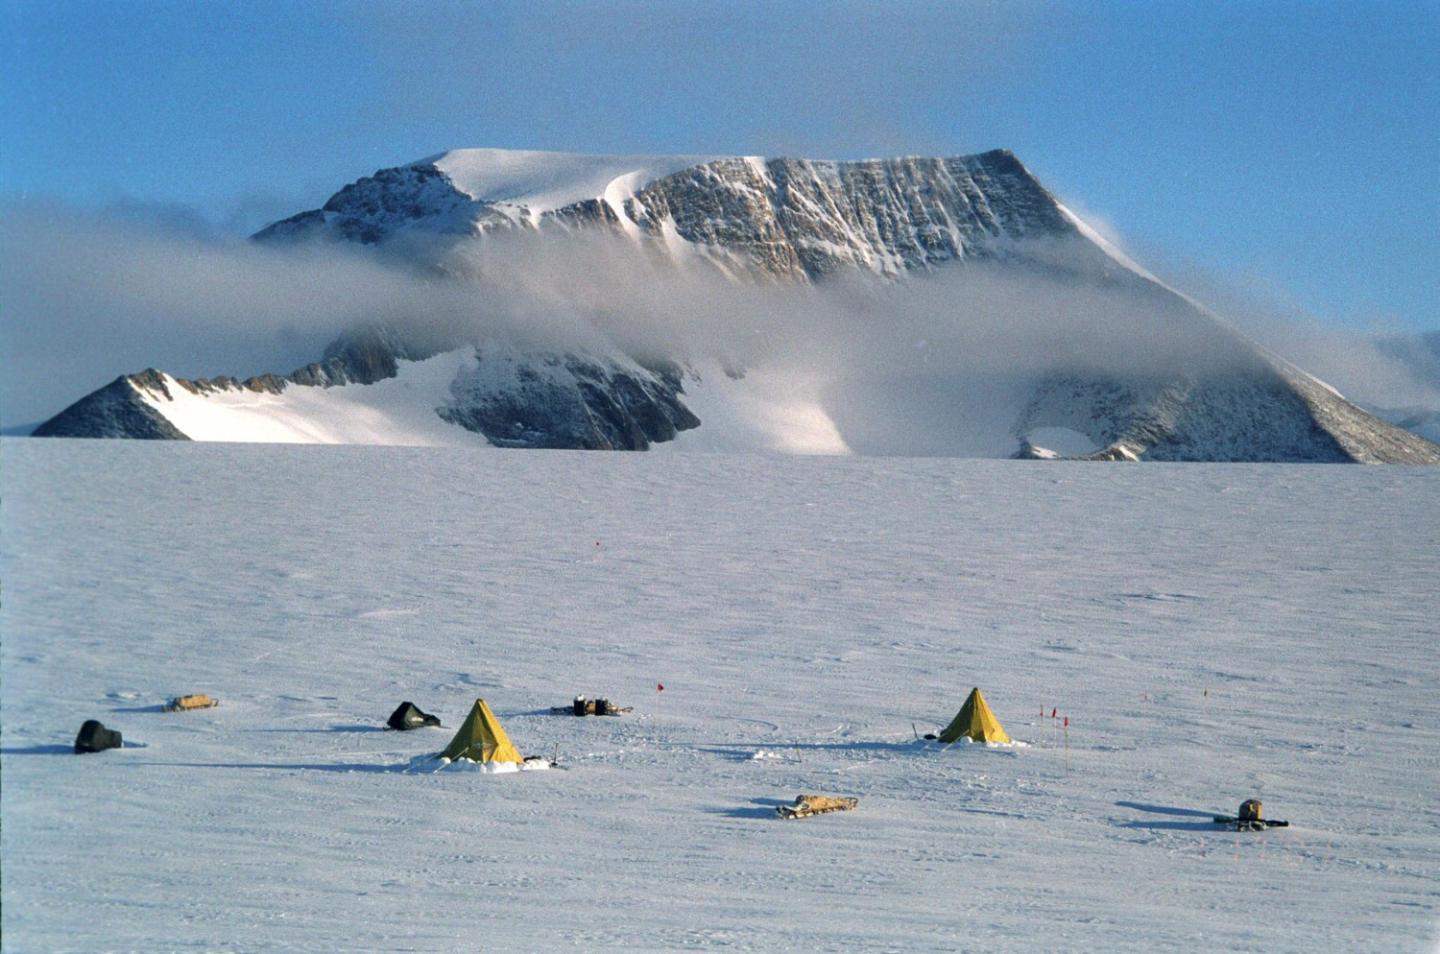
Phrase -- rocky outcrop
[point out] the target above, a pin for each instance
(801, 218)
(568, 401)
(116, 410)
(373, 208)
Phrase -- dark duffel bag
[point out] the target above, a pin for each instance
(94, 737)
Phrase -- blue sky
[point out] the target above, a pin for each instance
(1289, 147)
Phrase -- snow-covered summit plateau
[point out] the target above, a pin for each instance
(761, 223)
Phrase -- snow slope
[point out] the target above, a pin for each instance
(1213, 632)
(766, 410)
(398, 410)
(532, 182)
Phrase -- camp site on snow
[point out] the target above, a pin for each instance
(482, 742)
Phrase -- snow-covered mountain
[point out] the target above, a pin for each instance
(757, 221)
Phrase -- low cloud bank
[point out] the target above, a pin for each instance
(1392, 370)
(1377, 364)
(91, 296)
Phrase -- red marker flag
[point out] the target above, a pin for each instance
(1067, 722)
(659, 687)
(1052, 713)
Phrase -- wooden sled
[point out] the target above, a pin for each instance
(185, 703)
(807, 805)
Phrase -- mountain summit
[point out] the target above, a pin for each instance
(798, 218)
(760, 223)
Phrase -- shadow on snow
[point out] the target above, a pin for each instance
(758, 808)
(39, 750)
(1165, 809)
(288, 766)
(1153, 825)
(350, 727)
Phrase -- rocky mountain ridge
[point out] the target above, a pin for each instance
(792, 218)
(543, 401)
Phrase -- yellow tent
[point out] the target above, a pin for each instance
(974, 721)
(481, 739)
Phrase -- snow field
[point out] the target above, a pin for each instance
(398, 410)
(540, 182)
(1214, 632)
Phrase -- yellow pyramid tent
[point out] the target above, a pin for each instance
(974, 721)
(481, 739)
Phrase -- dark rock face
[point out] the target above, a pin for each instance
(362, 356)
(890, 216)
(115, 410)
(566, 401)
(368, 210)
